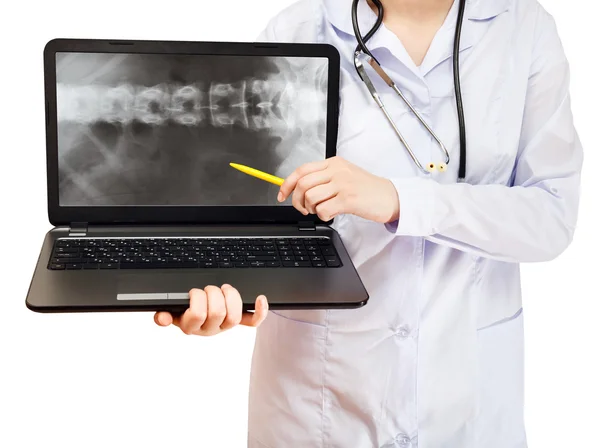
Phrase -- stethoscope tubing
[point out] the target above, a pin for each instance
(363, 52)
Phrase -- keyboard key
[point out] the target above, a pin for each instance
(68, 243)
(66, 256)
(260, 258)
(67, 250)
(226, 265)
(319, 264)
(296, 264)
(74, 266)
(242, 264)
(64, 260)
(109, 266)
(264, 252)
(57, 266)
(324, 242)
(257, 264)
(90, 266)
(273, 264)
(332, 262)
(328, 251)
(207, 265)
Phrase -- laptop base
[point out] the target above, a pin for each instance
(167, 289)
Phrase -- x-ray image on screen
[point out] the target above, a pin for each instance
(156, 129)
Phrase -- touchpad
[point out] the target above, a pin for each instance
(148, 283)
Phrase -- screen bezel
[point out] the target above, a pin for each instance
(62, 215)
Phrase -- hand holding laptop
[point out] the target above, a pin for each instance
(214, 310)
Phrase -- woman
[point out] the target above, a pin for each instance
(436, 357)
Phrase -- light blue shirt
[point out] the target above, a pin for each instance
(435, 359)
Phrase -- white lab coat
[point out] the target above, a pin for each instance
(435, 359)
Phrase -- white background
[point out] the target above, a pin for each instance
(117, 380)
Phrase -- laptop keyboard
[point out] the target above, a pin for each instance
(192, 253)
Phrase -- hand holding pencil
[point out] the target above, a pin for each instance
(333, 187)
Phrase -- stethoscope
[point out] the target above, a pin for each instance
(362, 52)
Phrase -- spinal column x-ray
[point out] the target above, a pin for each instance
(150, 129)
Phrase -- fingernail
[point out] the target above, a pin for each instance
(226, 285)
(280, 196)
(263, 301)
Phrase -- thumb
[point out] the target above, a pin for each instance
(261, 310)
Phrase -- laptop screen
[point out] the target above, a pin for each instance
(161, 129)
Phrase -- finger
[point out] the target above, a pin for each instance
(304, 184)
(195, 315)
(330, 208)
(290, 182)
(233, 304)
(261, 310)
(163, 319)
(319, 194)
(216, 310)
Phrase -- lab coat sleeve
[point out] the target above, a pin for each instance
(534, 217)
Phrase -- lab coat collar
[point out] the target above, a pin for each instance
(338, 13)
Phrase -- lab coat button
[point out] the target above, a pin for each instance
(403, 441)
(403, 332)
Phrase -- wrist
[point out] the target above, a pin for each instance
(394, 201)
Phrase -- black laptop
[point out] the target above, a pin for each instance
(143, 200)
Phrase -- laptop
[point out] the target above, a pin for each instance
(144, 203)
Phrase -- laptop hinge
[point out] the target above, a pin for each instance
(306, 225)
(78, 229)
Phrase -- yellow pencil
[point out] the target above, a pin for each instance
(258, 174)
